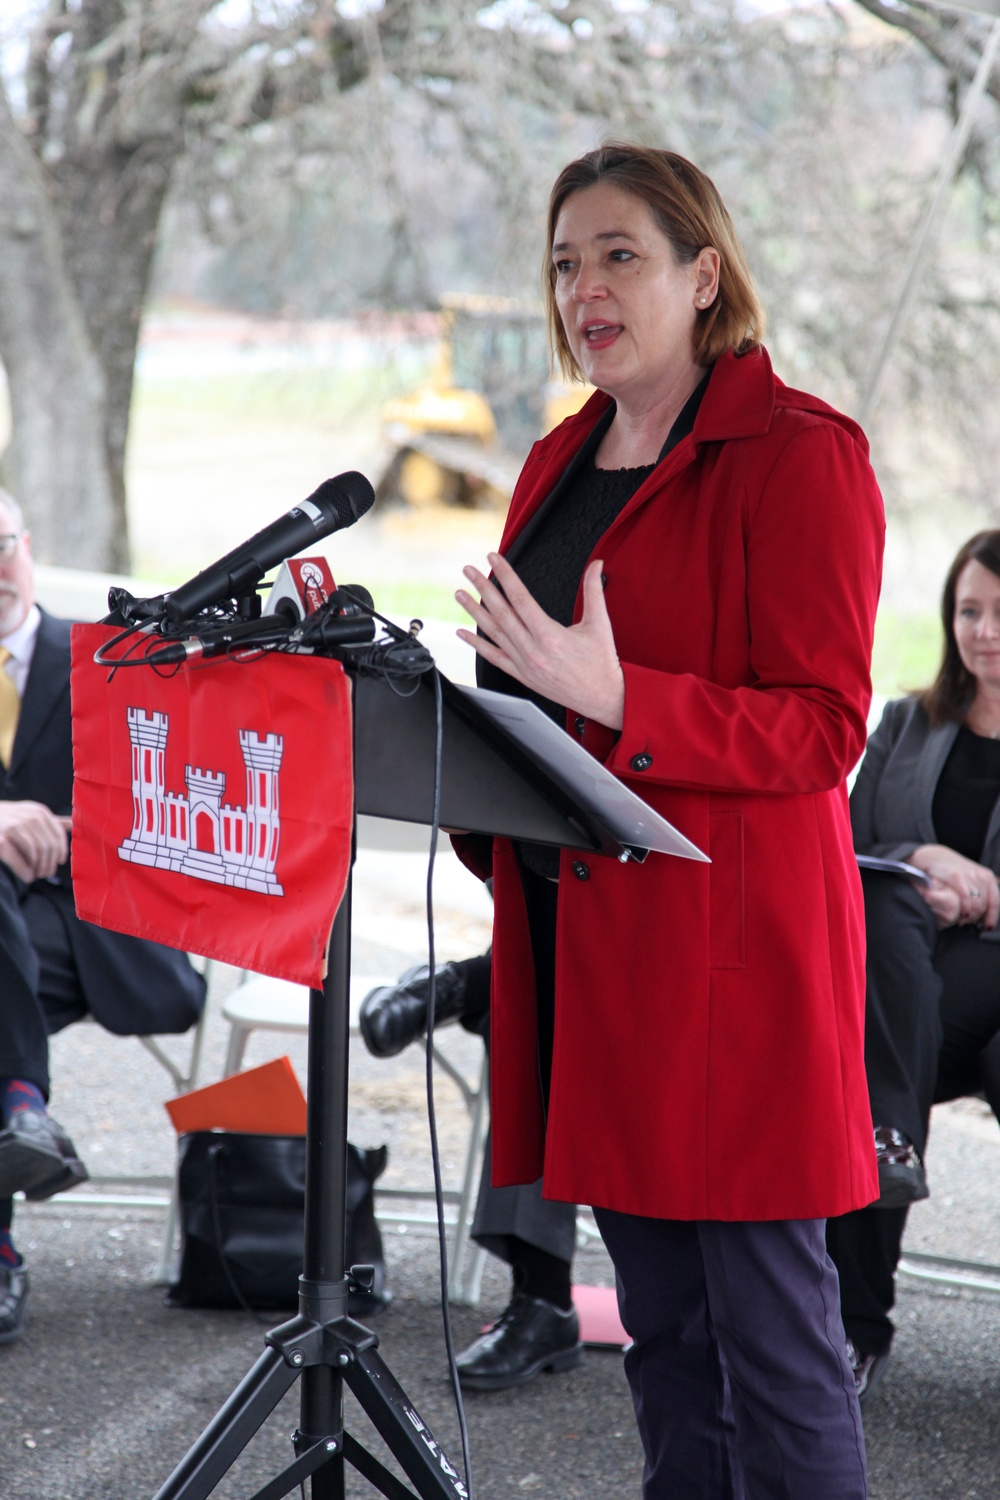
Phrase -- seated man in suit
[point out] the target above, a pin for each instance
(54, 969)
(539, 1329)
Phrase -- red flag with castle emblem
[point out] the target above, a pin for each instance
(213, 807)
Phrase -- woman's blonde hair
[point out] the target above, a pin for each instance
(687, 207)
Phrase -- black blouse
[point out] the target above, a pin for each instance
(555, 553)
(966, 793)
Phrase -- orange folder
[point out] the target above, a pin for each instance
(262, 1101)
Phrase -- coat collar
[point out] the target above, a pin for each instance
(739, 402)
(931, 764)
(48, 680)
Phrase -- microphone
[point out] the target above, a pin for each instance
(354, 599)
(335, 504)
(240, 633)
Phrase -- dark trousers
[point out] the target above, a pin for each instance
(932, 1032)
(739, 1377)
(521, 1214)
(24, 1051)
(39, 988)
(510, 1217)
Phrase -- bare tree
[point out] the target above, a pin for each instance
(114, 93)
(441, 123)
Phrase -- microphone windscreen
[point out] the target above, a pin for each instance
(358, 594)
(345, 498)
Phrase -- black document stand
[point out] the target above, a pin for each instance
(487, 786)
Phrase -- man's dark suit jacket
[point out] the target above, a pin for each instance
(131, 986)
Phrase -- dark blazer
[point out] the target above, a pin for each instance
(131, 986)
(894, 791)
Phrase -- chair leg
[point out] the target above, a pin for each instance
(166, 1271)
(238, 1038)
(464, 1280)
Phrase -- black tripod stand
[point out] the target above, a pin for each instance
(321, 1346)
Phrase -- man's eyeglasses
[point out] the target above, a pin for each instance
(8, 543)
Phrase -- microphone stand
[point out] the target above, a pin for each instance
(322, 1346)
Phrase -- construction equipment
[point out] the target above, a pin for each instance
(461, 438)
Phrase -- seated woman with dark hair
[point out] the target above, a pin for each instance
(928, 794)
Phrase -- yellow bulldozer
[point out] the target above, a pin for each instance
(461, 438)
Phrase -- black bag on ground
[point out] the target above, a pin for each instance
(242, 1208)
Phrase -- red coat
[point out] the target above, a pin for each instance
(708, 1054)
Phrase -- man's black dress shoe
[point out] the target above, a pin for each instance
(13, 1302)
(901, 1176)
(868, 1370)
(69, 1174)
(395, 1015)
(29, 1152)
(529, 1336)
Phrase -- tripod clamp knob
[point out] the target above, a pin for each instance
(362, 1278)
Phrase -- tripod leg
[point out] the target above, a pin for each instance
(404, 1431)
(322, 1414)
(229, 1431)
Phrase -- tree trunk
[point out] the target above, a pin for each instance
(57, 462)
(109, 206)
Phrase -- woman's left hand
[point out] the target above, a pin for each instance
(575, 665)
(945, 903)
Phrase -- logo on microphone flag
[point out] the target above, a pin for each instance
(213, 807)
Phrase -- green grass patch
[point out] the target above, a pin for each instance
(907, 652)
(406, 601)
(280, 395)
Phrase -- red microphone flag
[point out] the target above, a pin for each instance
(164, 847)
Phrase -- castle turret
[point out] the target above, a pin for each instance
(148, 734)
(263, 762)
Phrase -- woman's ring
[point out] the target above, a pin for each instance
(973, 893)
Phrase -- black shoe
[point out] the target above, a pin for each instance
(69, 1174)
(868, 1370)
(901, 1176)
(530, 1335)
(29, 1152)
(395, 1015)
(13, 1302)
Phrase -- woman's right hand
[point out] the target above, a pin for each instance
(975, 886)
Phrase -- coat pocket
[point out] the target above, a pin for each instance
(726, 914)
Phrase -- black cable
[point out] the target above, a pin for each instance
(432, 1119)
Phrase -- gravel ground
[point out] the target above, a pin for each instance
(108, 1387)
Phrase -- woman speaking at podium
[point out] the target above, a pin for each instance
(687, 582)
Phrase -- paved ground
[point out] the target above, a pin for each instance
(108, 1387)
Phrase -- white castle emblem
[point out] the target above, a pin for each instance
(199, 834)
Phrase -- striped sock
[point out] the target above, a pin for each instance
(16, 1095)
(8, 1255)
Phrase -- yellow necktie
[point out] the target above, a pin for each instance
(10, 708)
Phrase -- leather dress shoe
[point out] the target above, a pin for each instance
(868, 1370)
(69, 1174)
(13, 1302)
(529, 1336)
(901, 1176)
(29, 1152)
(395, 1015)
